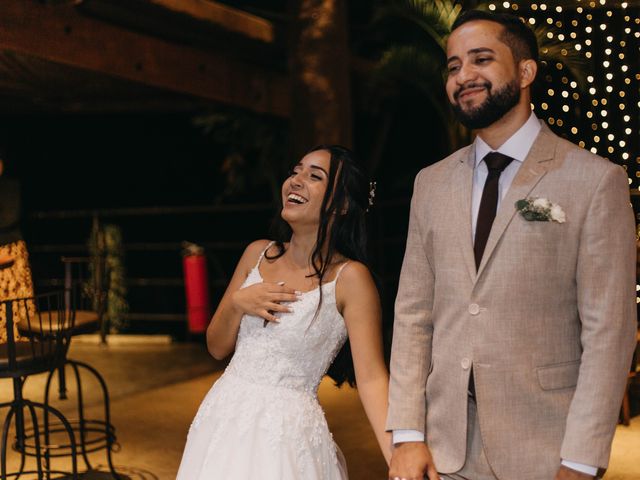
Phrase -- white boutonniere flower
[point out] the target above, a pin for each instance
(540, 210)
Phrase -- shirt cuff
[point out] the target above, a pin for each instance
(580, 467)
(400, 436)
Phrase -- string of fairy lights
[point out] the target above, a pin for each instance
(600, 114)
(598, 109)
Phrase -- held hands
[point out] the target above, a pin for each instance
(412, 461)
(566, 473)
(264, 299)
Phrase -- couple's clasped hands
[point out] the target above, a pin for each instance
(265, 300)
(412, 461)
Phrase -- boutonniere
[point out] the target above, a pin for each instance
(540, 210)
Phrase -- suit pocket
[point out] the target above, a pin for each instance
(559, 375)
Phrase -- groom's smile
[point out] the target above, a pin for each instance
(469, 92)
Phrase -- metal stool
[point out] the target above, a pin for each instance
(91, 435)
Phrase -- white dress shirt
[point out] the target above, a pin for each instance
(516, 147)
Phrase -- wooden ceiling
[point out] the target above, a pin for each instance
(138, 55)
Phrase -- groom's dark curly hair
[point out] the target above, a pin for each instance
(516, 34)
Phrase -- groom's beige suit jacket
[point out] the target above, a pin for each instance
(546, 324)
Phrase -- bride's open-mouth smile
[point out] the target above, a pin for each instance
(296, 199)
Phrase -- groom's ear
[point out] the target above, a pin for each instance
(528, 69)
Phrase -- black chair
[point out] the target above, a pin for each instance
(47, 318)
(86, 286)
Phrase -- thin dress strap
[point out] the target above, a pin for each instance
(262, 254)
(340, 270)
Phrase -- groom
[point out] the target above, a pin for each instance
(515, 315)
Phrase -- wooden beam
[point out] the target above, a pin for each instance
(60, 34)
(225, 17)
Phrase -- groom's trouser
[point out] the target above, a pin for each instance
(476, 466)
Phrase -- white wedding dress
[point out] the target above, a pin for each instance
(262, 420)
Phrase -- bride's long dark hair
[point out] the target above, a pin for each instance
(342, 230)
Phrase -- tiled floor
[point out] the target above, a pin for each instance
(156, 389)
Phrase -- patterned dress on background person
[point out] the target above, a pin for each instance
(15, 281)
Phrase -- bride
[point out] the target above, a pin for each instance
(288, 311)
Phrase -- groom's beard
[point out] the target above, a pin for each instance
(496, 105)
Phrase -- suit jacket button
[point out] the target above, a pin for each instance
(466, 363)
(474, 309)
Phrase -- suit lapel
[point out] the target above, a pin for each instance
(534, 167)
(462, 182)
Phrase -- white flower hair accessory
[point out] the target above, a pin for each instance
(536, 209)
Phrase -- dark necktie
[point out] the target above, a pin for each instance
(496, 163)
